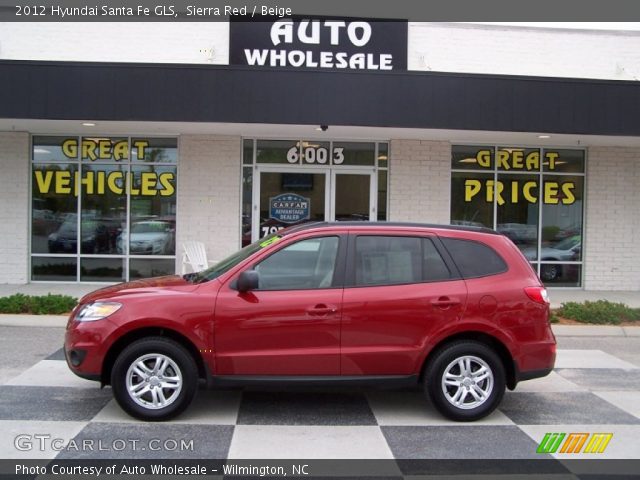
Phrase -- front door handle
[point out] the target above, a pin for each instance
(445, 302)
(321, 310)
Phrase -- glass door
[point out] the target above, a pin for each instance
(353, 196)
(289, 197)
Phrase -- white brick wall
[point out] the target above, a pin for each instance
(14, 207)
(444, 47)
(612, 261)
(169, 42)
(209, 194)
(510, 50)
(419, 181)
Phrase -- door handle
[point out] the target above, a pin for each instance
(321, 309)
(445, 302)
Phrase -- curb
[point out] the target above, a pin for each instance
(60, 321)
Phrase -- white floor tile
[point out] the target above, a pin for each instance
(551, 383)
(312, 442)
(408, 408)
(51, 373)
(627, 401)
(589, 359)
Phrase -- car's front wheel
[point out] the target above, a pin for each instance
(465, 380)
(154, 379)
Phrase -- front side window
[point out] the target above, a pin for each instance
(307, 264)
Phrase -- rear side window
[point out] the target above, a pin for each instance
(394, 260)
(474, 259)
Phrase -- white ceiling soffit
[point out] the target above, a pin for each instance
(75, 127)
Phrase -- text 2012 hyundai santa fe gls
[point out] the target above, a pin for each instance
(458, 310)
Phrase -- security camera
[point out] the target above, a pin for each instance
(324, 128)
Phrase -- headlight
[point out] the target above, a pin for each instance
(97, 311)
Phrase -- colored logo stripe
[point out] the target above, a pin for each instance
(574, 442)
(550, 442)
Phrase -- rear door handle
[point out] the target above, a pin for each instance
(445, 302)
(321, 310)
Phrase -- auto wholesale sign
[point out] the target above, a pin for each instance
(331, 44)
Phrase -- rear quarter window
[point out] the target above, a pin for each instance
(474, 259)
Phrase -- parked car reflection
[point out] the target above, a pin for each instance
(98, 236)
(567, 249)
(149, 237)
(519, 232)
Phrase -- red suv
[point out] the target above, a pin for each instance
(458, 310)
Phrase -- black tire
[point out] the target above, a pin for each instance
(550, 272)
(180, 365)
(445, 359)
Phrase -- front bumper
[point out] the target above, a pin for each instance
(85, 347)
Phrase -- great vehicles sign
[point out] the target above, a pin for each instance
(332, 44)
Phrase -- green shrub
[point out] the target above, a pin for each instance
(599, 312)
(549, 233)
(39, 305)
(553, 317)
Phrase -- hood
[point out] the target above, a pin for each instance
(138, 286)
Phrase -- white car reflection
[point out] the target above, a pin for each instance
(567, 249)
(149, 237)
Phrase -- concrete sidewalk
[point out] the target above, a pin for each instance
(60, 321)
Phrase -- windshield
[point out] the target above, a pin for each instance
(233, 260)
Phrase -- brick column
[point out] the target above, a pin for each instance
(420, 181)
(14, 213)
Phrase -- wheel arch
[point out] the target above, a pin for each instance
(492, 342)
(146, 332)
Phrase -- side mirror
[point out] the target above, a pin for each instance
(248, 280)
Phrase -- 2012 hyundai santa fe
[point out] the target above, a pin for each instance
(457, 310)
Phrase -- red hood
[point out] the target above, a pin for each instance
(143, 284)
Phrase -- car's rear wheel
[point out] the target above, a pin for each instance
(465, 380)
(154, 379)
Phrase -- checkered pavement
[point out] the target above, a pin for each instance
(589, 391)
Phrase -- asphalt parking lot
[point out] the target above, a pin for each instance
(595, 389)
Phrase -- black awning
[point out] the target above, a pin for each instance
(229, 94)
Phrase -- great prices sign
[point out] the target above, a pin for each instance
(330, 44)
(554, 191)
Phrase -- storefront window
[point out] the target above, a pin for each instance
(97, 201)
(532, 195)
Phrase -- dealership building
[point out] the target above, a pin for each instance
(119, 142)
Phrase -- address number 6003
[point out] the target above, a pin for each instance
(316, 155)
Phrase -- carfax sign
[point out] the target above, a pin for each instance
(320, 43)
(289, 208)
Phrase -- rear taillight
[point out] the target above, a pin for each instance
(537, 294)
